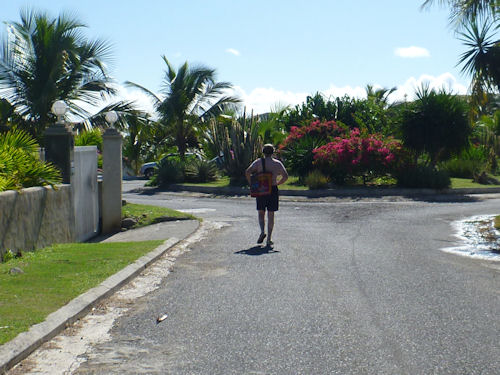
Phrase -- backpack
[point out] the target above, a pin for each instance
(261, 183)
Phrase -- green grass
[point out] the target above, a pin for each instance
(497, 222)
(291, 184)
(146, 215)
(54, 276)
(457, 183)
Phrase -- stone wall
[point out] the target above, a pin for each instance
(36, 217)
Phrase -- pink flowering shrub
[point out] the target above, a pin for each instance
(316, 129)
(297, 149)
(355, 154)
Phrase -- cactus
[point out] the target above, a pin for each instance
(239, 143)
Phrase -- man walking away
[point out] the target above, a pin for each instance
(270, 201)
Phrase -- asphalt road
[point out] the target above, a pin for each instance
(351, 287)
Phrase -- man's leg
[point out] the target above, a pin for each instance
(270, 225)
(262, 224)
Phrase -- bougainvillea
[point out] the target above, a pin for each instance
(359, 155)
(316, 129)
(297, 148)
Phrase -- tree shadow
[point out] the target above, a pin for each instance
(257, 250)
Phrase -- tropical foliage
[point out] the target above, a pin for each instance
(45, 59)
(355, 154)
(239, 144)
(198, 170)
(191, 95)
(297, 149)
(20, 164)
(435, 125)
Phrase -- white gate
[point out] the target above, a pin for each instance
(85, 194)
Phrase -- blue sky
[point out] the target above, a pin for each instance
(272, 50)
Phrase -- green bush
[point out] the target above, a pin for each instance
(197, 170)
(170, 171)
(462, 168)
(423, 177)
(239, 144)
(20, 164)
(8, 255)
(91, 137)
(316, 180)
(468, 163)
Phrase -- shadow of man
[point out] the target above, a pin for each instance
(257, 250)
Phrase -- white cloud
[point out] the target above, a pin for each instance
(444, 81)
(233, 51)
(412, 52)
(262, 99)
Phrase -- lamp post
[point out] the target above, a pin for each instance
(111, 117)
(59, 143)
(112, 176)
(59, 108)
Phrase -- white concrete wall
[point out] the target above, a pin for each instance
(36, 217)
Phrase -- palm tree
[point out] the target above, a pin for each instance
(464, 10)
(45, 59)
(190, 96)
(481, 60)
(379, 96)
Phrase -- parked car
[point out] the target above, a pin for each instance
(149, 169)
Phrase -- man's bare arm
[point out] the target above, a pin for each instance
(284, 175)
(248, 173)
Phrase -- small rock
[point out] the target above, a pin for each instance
(128, 222)
(15, 271)
(124, 202)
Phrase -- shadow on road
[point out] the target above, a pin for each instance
(257, 250)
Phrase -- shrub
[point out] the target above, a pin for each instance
(422, 176)
(368, 155)
(468, 163)
(436, 124)
(316, 180)
(239, 144)
(20, 164)
(297, 148)
(170, 171)
(91, 137)
(8, 255)
(200, 171)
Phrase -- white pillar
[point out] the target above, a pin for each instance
(112, 181)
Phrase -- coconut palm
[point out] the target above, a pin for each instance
(463, 10)
(44, 59)
(379, 96)
(190, 96)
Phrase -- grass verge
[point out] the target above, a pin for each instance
(496, 223)
(457, 183)
(147, 215)
(55, 275)
(291, 184)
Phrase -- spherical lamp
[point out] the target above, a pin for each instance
(111, 117)
(59, 109)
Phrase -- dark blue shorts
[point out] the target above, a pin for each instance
(269, 202)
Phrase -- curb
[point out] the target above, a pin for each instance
(20, 347)
(343, 192)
